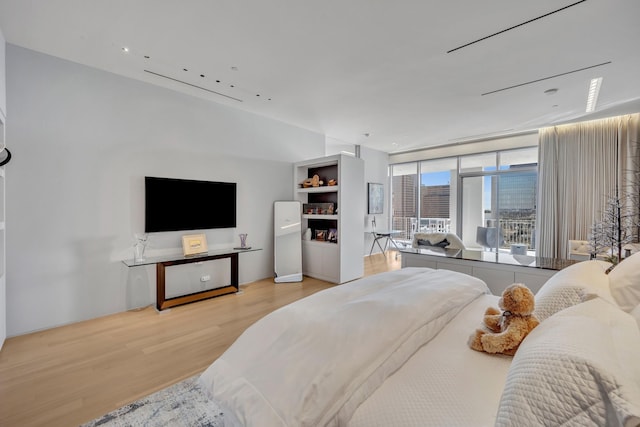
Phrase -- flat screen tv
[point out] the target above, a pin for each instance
(183, 204)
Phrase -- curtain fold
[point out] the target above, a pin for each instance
(579, 167)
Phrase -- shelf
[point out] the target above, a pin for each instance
(317, 216)
(323, 189)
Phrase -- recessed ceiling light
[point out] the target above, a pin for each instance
(125, 49)
(366, 134)
(551, 91)
(234, 68)
(592, 96)
(395, 144)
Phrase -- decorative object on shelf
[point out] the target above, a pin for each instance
(321, 235)
(243, 240)
(312, 182)
(332, 182)
(333, 235)
(193, 244)
(139, 245)
(318, 208)
(307, 234)
(376, 198)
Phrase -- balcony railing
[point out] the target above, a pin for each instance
(518, 231)
(409, 225)
(514, 231)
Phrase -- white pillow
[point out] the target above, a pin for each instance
(573, 285)
(579, 367)
(625, 282)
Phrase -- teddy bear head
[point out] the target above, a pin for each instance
(517, 299)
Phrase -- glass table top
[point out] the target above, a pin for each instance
(179, 256)
(494, 257)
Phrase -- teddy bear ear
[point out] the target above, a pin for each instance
(520, 292)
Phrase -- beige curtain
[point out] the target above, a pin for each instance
(579, 166)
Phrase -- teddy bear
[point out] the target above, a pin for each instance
(506, 329)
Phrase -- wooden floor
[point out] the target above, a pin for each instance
(73, 374)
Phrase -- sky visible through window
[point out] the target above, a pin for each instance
(444, 178)
(436, 178)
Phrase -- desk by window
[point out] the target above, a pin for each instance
(162, 262)
(388, 236)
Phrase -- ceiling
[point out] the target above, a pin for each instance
(372, 72)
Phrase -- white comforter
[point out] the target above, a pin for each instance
(313, 362)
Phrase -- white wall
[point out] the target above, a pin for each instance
(3, 275)
(376, 166)
(3, 87)
(82, 141)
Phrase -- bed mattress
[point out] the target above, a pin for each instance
(443, 383)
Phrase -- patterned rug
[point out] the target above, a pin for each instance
(184, 404)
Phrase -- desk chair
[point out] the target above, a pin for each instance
(383, 234)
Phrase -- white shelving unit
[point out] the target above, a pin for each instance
(342, 261)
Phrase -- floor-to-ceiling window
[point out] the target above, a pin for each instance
(404, 197)
(487, 199)
(437, 196)
(498, 193)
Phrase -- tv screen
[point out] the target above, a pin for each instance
(182, 204)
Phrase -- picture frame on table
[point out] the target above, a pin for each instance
(193, 244)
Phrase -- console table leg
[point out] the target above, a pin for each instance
(160, 284)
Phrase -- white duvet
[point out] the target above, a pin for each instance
(313, 362)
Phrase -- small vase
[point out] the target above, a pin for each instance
(243, 240)
(138, 252)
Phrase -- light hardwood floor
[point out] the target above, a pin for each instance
(72, 374)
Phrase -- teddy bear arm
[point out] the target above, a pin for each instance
(492, 322)
(491, 311)
(504, 341)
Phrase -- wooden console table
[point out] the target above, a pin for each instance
(162, 262)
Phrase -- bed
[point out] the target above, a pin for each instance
(391, 350)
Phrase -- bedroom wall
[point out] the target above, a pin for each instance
(376, 167)
(3, 274)
(82, 141)
(3, 85)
